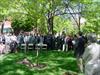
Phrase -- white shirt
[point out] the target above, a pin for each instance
(7, 39)
(26, 39)
(13, 38)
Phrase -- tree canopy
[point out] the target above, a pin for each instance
(52, 15)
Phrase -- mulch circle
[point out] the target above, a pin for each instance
(28, 63)
(39, 65)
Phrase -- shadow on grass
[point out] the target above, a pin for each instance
(57, 63)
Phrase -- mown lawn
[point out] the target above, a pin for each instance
(57, 63)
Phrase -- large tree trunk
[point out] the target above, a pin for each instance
(50, 17)
(50, 23)
(79, 25)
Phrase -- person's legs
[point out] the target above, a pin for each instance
(80, 64)
(64, 47)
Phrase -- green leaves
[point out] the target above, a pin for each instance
(30, 13)
(62, 24)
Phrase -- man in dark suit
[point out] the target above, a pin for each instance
(80, 47)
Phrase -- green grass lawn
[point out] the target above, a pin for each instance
(57, 63)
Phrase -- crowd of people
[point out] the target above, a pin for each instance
(60, 42)
(85, 48)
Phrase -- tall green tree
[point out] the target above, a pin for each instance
(42, 13)
(91, 13)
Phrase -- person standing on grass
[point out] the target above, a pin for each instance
(26, 40)
(2, 48)
(69, 43)
(65, 45)
(75, 40)
(13, 44)
(49, 41)
(59, 42)
(63, 35)
(80, 47)
(91, 57)
(20, 39)
(7, 42)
